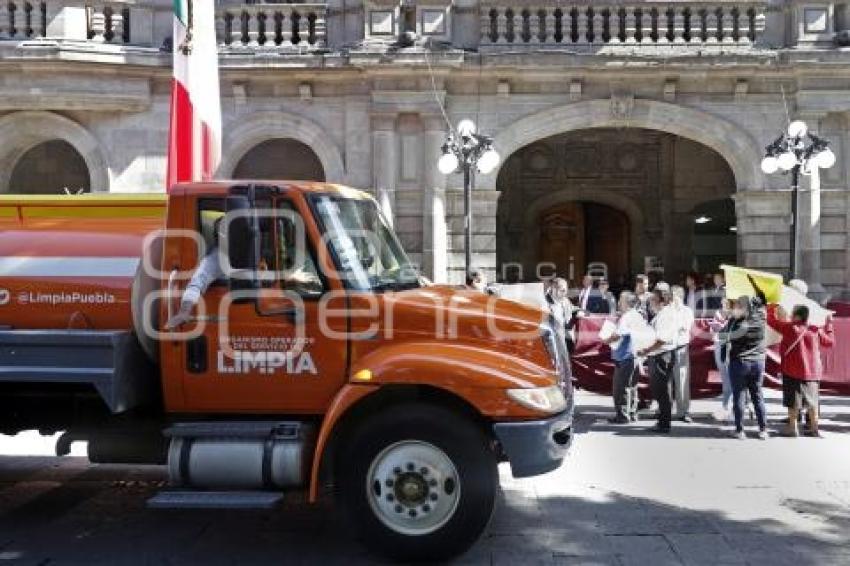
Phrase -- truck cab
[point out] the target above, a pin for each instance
(317, 358)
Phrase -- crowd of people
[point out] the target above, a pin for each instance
(653, 330)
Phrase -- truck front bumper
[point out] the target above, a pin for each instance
(535, 447)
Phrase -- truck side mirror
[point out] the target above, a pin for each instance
(242, 242)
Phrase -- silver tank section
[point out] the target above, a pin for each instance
(240, 455)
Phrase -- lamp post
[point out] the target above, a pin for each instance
(796, 151)
(467, 151)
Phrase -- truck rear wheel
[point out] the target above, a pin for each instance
(419, 482)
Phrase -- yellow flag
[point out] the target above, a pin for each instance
(738, 284)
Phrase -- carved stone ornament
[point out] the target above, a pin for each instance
(622, 104)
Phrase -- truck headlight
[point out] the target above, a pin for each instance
(544, 399)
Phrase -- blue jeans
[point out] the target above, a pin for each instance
(747, 375)
(723, 368)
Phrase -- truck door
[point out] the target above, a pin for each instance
(262, 350)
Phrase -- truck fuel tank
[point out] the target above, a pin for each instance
(243, 455)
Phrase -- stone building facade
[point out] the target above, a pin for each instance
(622, 126)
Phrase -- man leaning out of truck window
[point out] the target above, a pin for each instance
(209, 269)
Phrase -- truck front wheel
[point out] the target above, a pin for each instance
(419, 482)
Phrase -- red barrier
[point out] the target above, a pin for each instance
(592, 366)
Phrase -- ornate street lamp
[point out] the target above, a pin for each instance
(796, 151)
(467, 151)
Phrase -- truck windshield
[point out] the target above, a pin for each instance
(370, 255)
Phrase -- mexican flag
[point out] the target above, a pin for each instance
(194, 140)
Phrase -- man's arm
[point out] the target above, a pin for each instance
(826, 335)
(613, 338)
(651, 348)
(207, 272)
(776, 319)
(759, 293)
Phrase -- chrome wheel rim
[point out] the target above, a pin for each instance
(413, 487)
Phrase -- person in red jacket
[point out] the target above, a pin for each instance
(801, 362)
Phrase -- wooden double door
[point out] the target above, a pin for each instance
(577, 235)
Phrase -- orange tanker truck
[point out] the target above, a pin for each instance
(317, 357)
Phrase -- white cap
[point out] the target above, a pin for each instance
(800, 286)
(662, 286)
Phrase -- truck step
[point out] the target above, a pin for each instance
(184, 499)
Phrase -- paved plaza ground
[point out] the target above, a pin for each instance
(625, 497)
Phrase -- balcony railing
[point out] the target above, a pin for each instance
(273, 26)
(297, 26)
(599, 24)
(104, 22)
(108, 23)
(23, 20)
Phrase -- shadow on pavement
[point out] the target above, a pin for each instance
(622, 530)
(97, 515)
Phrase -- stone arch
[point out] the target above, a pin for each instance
(735, 145)
(280, 158)
(21, 131)
(264, 126)
(50, 167)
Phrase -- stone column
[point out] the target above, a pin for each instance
(808, 233)
(808, 224)
(762, 217)
(385, 161)
(434, 239)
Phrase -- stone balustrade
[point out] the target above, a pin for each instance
(23, 20)
(243, 26)
(108, 23)
(298, 26)
(97, 21)
(272, 26)
(722, 22)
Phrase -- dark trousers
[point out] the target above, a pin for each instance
(661, 368)
(747, 376)
(625, 388)
(682, 382)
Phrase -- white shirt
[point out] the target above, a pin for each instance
(584, 296)
(208, 271)
(630, 323)
(686, 321)
(562, 312)
(666, 326)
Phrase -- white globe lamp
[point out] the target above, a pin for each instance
(488, 161)
(466, 127)
(825, 159)
(797, 129)
(787, 161)
(769, 165)
(447, 164)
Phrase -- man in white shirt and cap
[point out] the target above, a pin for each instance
(681, 375)
(661, 355)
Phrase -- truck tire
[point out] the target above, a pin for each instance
(418, 481)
